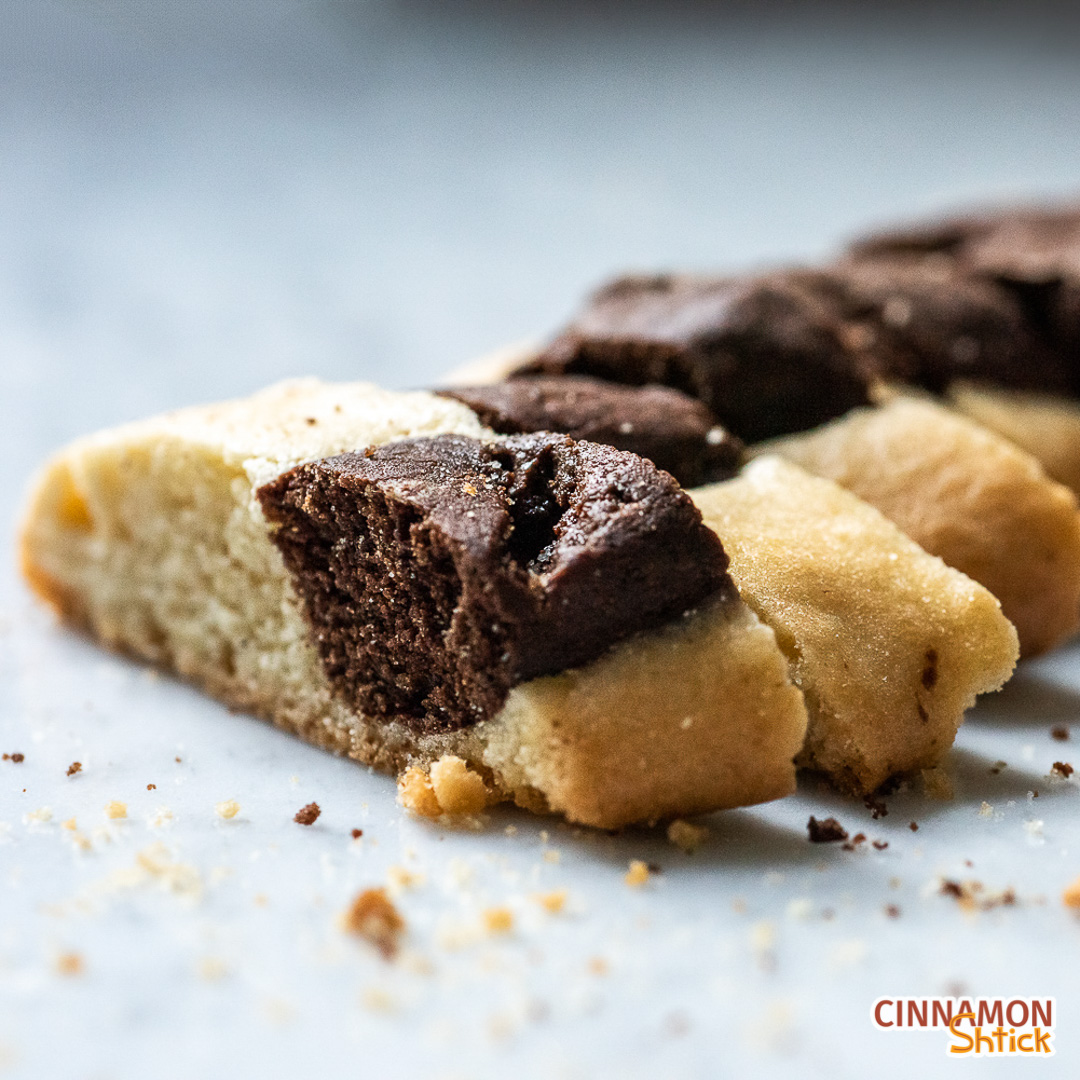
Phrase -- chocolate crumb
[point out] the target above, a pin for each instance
(952, 888)
(74, 767)
(881, 845)
(825, 832)
(1059, 732)
(914, 826)
(357, 833)
(876, 807)
(1062, 768)
(892, 910)
(308, 815)
(17, 758)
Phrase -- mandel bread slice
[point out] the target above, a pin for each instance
(181, 540)
(889, 645)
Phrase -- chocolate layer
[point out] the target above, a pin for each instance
(672, 430)
(438, 573)
(765, 354)
(1029, 259)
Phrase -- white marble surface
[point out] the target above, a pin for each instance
(198, 198)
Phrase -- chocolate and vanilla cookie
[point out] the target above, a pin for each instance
(778, 358)
(1019, 376)
(543, 619)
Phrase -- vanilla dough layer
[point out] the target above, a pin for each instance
(150, 537)
(889, 645)
(963, 493)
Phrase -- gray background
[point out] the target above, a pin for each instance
(199, 198)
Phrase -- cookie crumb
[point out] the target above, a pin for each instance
(416, 794)
(307, 815)
(686, 836)
(986, 810)
(229, 808)
(1059, 732)
(17, 758)
(825, 832)
(1071, 896)
(638, 874)
(880, 845)
(1062, 769)
(74, 767)
(357, 833)
(401, 879)
(877, 808)
(892, 911)
(457, 788)
(498, 920)
(71, 825)
(552, 902)
(151, 787)
(70, 964)
(373, 917)
(116, 809)
(913, 826)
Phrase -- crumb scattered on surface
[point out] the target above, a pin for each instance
(373, 917)
(74, 767)
(638, 874)
(17, 758)
(877, 808)
(1071, 896)
(986, 810)
(71, 825)
(825, 832)
(552, 902)
(972, 895)
(1059, 732)
(162, 816)
(1062, 769)
(307, 815)
(116, 809)
(401, 879)
(357, 833)
(855, 841)
(70, 964)
(686, 836)
(892, 911)
(151, 787)
(40, 816)
(880, 845)
(498, 920)
(212, 969)
(937, 784)
(228, 809)
(913, 826)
